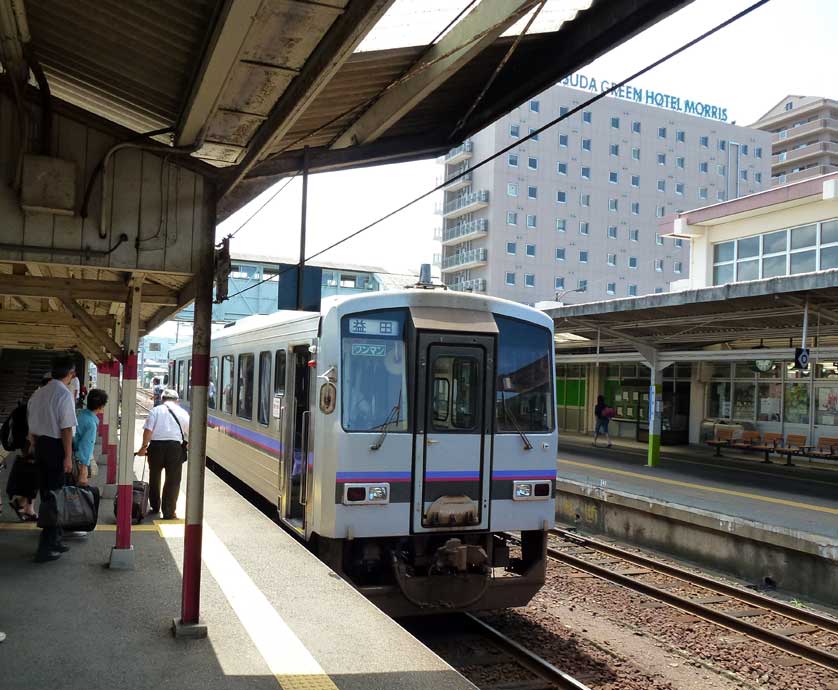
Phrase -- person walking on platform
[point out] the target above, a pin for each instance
(164, 441)
(157, 391)
(84, 440)
(52, 416)
(603, 415)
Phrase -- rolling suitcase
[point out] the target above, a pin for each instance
(139, 500)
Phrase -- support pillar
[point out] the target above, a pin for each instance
(122, 554)
(655, 409)
(189, 624)
(112, 414)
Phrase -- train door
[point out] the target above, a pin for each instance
(295, 468)
(453, 449)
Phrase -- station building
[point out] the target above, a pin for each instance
(724, 339)
(575, 211)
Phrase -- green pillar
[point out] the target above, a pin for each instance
(655, 409)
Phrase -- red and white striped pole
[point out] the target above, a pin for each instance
(103, 382)
(122, 555)
(189, 624)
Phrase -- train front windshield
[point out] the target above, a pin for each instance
(374, 371)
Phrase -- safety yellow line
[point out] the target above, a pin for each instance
(702, 487)
(159, 526)
(671, 458)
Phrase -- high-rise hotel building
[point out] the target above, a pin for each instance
(577, 209)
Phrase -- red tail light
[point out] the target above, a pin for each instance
(542, 489)
(356, 493)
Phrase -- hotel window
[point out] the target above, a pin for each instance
(635, 208)
(586, 144)
(563, 110)
(561, 197)
(611, 288)
(612, 232)
(661, 185)
(560, 253)
(635, 180)
(611, 259)
(511, 248)
(702, 167)
(744, 149)
(679, 188)
(658, 290)
(614, 149)
(676, 267)
(535, 106)
(530, 220)
(584, 227)
(721, 169)
(532, 163)
(586, 116)
(532, 192)
(558, 283)
(533, 136)
(512, 160)
(530, 250)
(584, 199)
(511, 218)
(583, 257)
(582, 285)
(661, 132)
(635, 153)
(679, 243)
(634, 235)
(658, 239)
(720, 195)
(722, 145)
(613, 177)
(635, 126)
(561, 225)
(515, 131)
(561, 168)
(612, 205)
(585, 173)
(615, 123)
(680, 162)
(661, 159)
(510, 278)
(632, 291)
(743, 175)
(789, 105)
(680, 136)
(563, 140)
(512, 189)
(659, 265)
(758, 177)
(704, 141)
(660, 211)
(758, 152)
(702, 193)
(632, 262)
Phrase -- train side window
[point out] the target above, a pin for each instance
(213, 382)
(181, 379)
(244, 404)
(279, 373)
(189, 380)
(264, 388)
(227, 384)
(440, 399)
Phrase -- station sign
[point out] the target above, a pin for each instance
(801, 358)
(630, 92)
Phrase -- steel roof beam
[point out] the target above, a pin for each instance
(475, 32)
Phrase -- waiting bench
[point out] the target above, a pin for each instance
(723, 439)
(825, 449)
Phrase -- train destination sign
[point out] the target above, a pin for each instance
(374, 327)
(636, 94)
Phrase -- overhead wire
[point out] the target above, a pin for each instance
(533, 134)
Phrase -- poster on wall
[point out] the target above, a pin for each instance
(827, 405)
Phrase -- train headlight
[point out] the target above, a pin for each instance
(540, 490)
(377, 494)
(366, 494)
(523, 490)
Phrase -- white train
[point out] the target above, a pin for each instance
(401, 435)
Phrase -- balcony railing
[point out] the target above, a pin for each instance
(461, 153)
(802, 130)
(466, 203)
(473, 285)
(463, 259)
(465, 231)
(816, 149)
(805, 174)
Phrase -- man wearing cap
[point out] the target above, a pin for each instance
(164, 433)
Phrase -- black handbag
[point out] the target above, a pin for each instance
(184, 444)
(74, 508)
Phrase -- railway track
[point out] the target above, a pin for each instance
(487, 657)
(144, 401)
(783, 625)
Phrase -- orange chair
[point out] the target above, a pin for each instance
(723, 439)
(769, 444)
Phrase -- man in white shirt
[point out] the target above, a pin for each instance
(52, 418)
(164, 434)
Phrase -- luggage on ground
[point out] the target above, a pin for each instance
(139, 502)
(73, 508)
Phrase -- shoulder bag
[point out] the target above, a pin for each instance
(184, 444)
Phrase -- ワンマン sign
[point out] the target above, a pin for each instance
(648, 97)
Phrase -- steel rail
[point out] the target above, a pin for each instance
(774, 605)
(816, 655)
(532, 662)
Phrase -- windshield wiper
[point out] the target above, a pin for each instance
(393, 417)
(511, 418)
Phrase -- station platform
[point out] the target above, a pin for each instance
(764, 523)
(276, 616)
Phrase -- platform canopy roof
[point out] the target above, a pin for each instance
(250, 83)
(738, 315)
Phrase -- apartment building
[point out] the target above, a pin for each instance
(574, 213)
(804, 138)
